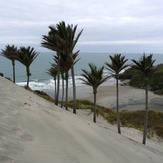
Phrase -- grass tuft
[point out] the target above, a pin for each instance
(134, 119)
(43, 95)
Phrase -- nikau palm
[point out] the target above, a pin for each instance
(93, 78)
(145, 67)
(53, 72)
(26, 56)
(10, 52)
(62, 38)
(116, 66)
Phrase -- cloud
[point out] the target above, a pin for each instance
(117, 23)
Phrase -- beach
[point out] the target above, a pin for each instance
(130, 98)
(35, 130)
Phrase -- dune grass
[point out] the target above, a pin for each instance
(43, 95)
(133, 119)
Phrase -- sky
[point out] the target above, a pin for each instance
(119, 26)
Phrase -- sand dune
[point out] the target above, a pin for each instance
(33, 130)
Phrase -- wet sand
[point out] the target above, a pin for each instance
(130, 98)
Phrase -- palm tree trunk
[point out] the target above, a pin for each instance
(74, 89)
(94, 114)
(13, 64)
(58, 81)
(66, 105)
(28, 74)
(62, 91)
(118, 118)
(55, 85)
(146, 115)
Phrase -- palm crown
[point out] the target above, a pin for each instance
(10, 52)
(117, 63)
(27, 55)
(61, 38)
(94, 77)
(145, 65)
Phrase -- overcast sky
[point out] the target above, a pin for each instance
(117, 26)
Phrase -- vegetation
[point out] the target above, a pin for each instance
(11, 53)
(26, 56)
(134, 119)
(146, 69)
(62, 38)
(1, 74)
(116, 66)
(43, 95)
(136, 80)
(93, 78)
(53, 72)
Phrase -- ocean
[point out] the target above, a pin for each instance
(41, 80)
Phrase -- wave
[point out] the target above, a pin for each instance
(48, 84)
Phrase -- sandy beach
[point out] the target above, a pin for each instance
(130, 98)
(32, 130)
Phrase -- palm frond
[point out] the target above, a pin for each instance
(118, 63)
(94, 77)
(145, 65)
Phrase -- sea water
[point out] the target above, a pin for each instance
(41, 80)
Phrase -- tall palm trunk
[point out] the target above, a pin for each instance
(58, 81)
(28, 74)
(55, 85)
(117, 102)
(146, 114)
(94, 109)
(13, 65)
(74, 89)
(66, 103)
(62, 91)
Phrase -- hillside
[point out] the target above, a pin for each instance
(33, 130)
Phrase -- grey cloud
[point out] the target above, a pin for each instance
(113, 23)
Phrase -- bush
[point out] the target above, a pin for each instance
(44, 95)
(136, 80)
(1, 74)
(159, 131)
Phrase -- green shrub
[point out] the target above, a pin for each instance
(1, 74)
(43, 95)
(159, 131)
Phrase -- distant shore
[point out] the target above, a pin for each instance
(130, 98)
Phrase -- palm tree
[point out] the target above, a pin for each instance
(116, 66)
(26, 56)
(53, 72)
(50, 41)
(62, 38)
(145, 67)
(93, 78)
(65, 65)
(10, 52)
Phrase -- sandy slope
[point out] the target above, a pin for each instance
(35, 131)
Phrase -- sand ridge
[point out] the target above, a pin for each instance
(34, 130)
